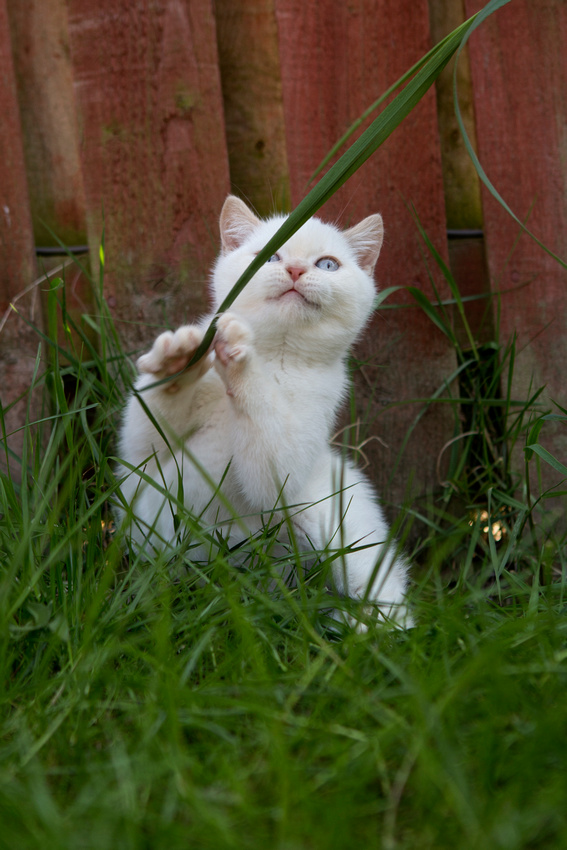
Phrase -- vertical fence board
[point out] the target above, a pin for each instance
(18, 345)
(17, 264)
(154, 152)
(40, 43)
(253, 105)
(462, 185)
(519, 71)
(463, 204)
(49, 121)
(336, 60)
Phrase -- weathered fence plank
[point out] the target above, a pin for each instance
(44, 76)
(519, 68)
(18, 345)
(462, 185)
(49, 120)
(463, 205)
(154, 153)
(346, 56)
(17, 258)
(253, 102)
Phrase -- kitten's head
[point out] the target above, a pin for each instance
(318, 285)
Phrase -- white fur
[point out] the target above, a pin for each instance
(263, 405)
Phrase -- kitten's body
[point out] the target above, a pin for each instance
(261, 419)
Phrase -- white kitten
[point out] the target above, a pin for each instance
(258, 411)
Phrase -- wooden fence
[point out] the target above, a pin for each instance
(147, 113)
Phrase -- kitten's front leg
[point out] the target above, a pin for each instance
(234, 351)
(172, 403)
(266, 454)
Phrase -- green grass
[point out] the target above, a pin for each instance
(146, 710)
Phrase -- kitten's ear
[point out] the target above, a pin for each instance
(366, 239)
(237, 222)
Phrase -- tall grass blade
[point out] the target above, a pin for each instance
(383, 97)
(545, 455)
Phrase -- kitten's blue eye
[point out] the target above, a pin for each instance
(275, 258)
(327, 264)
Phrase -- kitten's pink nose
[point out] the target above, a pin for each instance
(295, 272)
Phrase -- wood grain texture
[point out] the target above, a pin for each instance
(16, 240)
(18, 344)
(336, 60)
(461, 182)
(253, 102)
(519, 68)
(49, 121)
(153, 152)
(44, 74)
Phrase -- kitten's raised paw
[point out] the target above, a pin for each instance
(171, 352)
(233, 339)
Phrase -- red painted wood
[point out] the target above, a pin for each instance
(154, 154)
(519, 67)
(18, 345)
(337, 58)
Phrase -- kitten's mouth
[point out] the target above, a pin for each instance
(293, 294)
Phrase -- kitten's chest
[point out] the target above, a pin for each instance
(309, 393)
